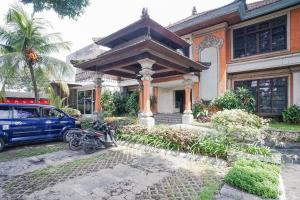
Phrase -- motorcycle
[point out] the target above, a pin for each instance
(100, 136)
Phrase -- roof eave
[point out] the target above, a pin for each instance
(147, 44)
(219, 12)
(279, 5)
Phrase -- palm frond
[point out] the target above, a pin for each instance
(54, 47)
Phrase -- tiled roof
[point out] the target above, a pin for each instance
(191, 17)
(246, 11)
(255, 5)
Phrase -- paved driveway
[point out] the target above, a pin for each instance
(118, 173)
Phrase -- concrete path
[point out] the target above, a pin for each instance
(122, 173)
(24, 165)
(291, 170)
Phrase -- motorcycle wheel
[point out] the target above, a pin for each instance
(68, 135)
(74, 144)
(89, 147)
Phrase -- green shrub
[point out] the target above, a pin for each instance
(291, 114)
(211, 146)
(132, 104)
(119, 101)
(197, 108)
(240, 124)
(86, 123)
(227, 101)
(238, 99)
(119, 122)
(72, 112)
(252, 149)
(245, 99)
(107, 102)
(255, 177)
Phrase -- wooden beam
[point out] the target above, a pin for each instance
(121, 74)
(165, 74)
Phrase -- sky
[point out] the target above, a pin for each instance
(103, 17)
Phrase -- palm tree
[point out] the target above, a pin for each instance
(24, 48)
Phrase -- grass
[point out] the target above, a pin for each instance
(28, 151)
(209, 191)
(255, 177)
(285, 126)
(211, 185)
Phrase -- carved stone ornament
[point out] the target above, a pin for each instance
(98, 78)
(189, 79)
(147, 73)
(210, 41)
(188, 83)
(140, 86)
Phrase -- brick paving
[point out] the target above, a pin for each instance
(175, 179)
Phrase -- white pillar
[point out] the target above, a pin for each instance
(146, 116)
(296, 87)
(189, 79)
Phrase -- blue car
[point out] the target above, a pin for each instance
(33, 123)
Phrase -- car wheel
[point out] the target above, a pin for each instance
(1, 144)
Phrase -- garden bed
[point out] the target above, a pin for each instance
(192, 141)
(255, 177)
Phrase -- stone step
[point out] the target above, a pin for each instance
(168, 118)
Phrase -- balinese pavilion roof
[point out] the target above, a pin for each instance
(142, 39)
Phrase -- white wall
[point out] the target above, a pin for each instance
(296, 88)
(209, 78)
(165, 100)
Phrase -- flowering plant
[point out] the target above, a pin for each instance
(240, 124)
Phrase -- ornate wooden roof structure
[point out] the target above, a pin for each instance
(143, 39)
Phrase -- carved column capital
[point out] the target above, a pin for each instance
(189, 79)
(98, 78)
(146, 72)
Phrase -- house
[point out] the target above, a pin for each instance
(253, 45)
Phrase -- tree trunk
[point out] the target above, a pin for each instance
(35, 89)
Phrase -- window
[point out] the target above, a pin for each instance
(5, 112)
(260, 38)
(25, 113)
(50, 113)
(271, 95)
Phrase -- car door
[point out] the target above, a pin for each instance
(26, 124)
(53, 123)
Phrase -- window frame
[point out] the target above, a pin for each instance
(20, 107)
(255, 31)
(256, 21)
(258, 99)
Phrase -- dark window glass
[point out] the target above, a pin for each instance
(25, 113)
(80, 101)
(264, 41)
(259, 38)
(251, 44)
(5, 112)
(270, 94)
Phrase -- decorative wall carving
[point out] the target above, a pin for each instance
(211, 41)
